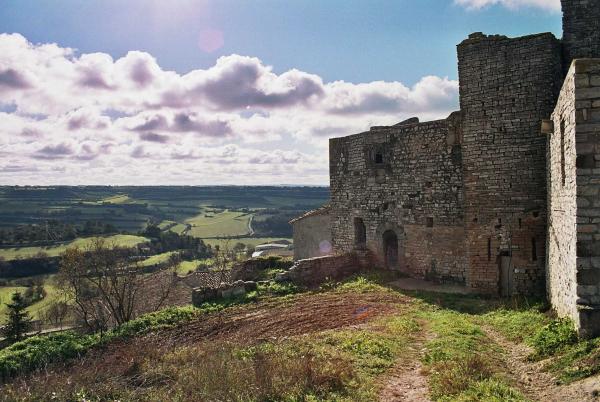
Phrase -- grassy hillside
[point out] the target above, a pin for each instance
(223, 223)
(52, 251)
(357, 341)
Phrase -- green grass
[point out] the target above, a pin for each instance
(225, 223)
(157, 259)
(35, 310)
(461, 361)
(6, 293)
(117, 199)
(185, 267)
(53, 251)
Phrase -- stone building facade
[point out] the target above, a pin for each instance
(483, 198)
(574, 198)
(312, 234)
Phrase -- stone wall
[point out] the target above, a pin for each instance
(312, 235)
(406, 180)
(581, 29)
(210, 279)
(313, 272)
(574, 203)
(507, 86)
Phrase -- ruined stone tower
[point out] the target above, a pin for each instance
(507, 86)
(483, 198)
(581, 30)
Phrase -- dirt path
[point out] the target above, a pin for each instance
(406, 382)
(537, 384)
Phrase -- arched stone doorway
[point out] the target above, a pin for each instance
(390, 249)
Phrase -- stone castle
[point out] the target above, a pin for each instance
(502, 196)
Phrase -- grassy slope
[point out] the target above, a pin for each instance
(24, 252)
(52, 294)
(345, 363)
(225, 223)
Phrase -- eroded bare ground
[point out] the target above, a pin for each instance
(281, 319)
(242, 325)
(536, 383)
(405, 382)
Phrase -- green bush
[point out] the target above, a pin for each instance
(278, 289)
(154, 321)
(38, 351)
(554, 337)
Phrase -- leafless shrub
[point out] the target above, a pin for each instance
(106, 285)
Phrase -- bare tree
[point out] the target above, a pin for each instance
(108, 286)
(56, 313)
(223, 259)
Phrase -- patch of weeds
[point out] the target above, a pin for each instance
(516, 325)
(554, 337)
(577, 361)
(401, 325)
(457, 336)
(459, 358)
(362, 284)
(372, 353)
(269, 372)
(488, 390)
(278, 289)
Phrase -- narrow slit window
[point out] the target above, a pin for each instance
(360, 232)
(489, 248)
(534, 256)
(563, 173)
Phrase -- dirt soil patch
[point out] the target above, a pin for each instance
(406, 382)
(280, 319)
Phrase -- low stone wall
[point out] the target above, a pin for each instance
(312, 272)
(238, 288)
(210, 279)
(250, 270)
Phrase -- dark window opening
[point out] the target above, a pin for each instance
(379, 157)
(429, 222)
(360, 232)
(563, 173)
(429, 184)
(489, 249)
(519, 223)
(533, 249)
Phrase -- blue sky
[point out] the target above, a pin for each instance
(352, 40)
(246, 91)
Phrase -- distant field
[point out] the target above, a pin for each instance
(52, 294)
(157, 259)
(225, 223)
(52, 251)
(130, 208)
(253, 241)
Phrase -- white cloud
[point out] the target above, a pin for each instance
(88, 118)
(550, 5)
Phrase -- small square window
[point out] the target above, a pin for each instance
(429, 222)
(379, 157)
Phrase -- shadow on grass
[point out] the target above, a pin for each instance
(475, 304)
